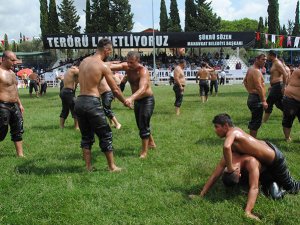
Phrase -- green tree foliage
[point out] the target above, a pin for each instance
(273, 17)
(242, 25)
(260, 29)
(290, 27)
(53, 22)
(88, 20)
(206, 20)
(121, 16)
(97, 12)
(111, 16)
(190, 16)
(21, 37)
(6, 44)
(296, 29)
(174, 21)
(43, 18)
(31, 46)
(14, 46)
(163, 18)
(69, 17)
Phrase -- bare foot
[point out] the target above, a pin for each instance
(152, 145)
(115, 169)
(289, 139)
(21, 156)
(194, 196)
(252, 216)
(143, 155)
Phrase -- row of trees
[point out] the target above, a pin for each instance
(116, 16)
(101, 16)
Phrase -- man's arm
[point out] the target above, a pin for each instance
(253, 170)
(143, 84)
(282, 70)
(20, 105)
(227, 151)
(118, 66)
(113, 86)
(213, 178)
(259, 86)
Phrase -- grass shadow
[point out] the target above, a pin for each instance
(29, 168)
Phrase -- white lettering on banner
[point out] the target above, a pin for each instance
(224, 37)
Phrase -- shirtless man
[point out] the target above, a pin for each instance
(11, 108)
(142, 96)
(237, 141)
(203, 76)
(249, 171)
(67, 95)
(254, 84)
(291, 103)
(214, 82)
(107, 97)
(179, 84)
(33, 84)
(278, 80)
(90, 114)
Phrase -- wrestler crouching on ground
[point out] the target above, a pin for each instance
(249, 171)
(90, 114)
(238, 146)
(142, 96)
(67, 95)
(11, 108)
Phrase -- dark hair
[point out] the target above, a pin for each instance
(222, 119)
(182, 61)
(272, 53)
(203, 64)
(133, 54)
(260, 55)
(230, 179)
(103, 42)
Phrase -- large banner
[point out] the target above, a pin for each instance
(146, 40)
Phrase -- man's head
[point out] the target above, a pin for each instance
(182, 63)
(8, 59)
(105, 46)
(133, 59)
(260, 60)
(272, 55)
(203, 64)
(222, 123)
(231, 179)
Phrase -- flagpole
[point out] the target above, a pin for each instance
(154, 63)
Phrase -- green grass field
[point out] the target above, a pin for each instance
(51, 186)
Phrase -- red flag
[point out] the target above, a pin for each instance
(2, 42)
(258, 36)
(281, 38)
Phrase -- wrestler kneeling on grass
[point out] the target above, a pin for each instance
(243, 152)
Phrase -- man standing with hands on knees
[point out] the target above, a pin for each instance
(142, 96)
(11, 108)
(90, 114)
(254, 84)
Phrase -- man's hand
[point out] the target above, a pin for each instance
(21, 108)
(265, 105)
(128, 103)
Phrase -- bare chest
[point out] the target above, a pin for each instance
(7, 79)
